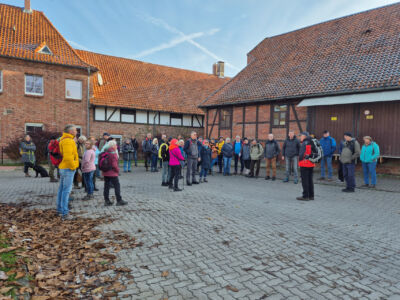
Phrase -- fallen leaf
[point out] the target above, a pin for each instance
(164, 274)
(3, 276)
(231, 288)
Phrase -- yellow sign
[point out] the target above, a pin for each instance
(370, 117)
(333, 118)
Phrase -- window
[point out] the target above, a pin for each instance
(197, 121)
(31, 128)
(117, 138)
(127, 116)
(100, 114)
(187, 120)
(78, 131)
(141, 117)
(225, 121)
(34, 85)
(73, 89)
(164, 119)
(1, 80)
(45, 50)
(279, 115)
(176, 119)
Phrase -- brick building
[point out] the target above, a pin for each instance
(340, 75)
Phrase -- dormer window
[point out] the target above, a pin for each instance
(44, 49)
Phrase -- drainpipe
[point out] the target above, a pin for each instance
(88, 105)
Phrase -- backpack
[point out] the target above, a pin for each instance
(316, 151)
(104, 162)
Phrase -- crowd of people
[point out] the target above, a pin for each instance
(82, 160)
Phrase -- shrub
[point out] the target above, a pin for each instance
(39, 138)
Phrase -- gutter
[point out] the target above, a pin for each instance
(88, 105)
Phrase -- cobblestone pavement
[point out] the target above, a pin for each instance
(240, 238)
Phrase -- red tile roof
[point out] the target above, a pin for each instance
(22, 33)
(356, 53)
(134, 84)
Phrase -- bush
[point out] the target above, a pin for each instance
(39, 138)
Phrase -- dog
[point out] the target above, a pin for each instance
(40, 170)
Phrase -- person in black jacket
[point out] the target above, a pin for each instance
(191, 149)
(290, 154)
(135, 146)
(205, 160)
(127, 155)
(146, 147)
(227, 152)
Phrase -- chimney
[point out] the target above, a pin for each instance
(219, 69)
(27, 8)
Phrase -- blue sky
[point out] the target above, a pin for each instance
(190, 34)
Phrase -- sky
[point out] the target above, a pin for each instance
(189, 34)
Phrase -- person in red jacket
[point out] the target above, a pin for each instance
(306, 167)
(55, 157)
(111, 176)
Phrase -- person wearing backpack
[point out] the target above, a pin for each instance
(227, 152)
(109, 167)
(369, 156)
(290, 154)
(307, 150)
(328, 145)
(271, 152)
(55, 157)
(191, 149)
(256, 153)
(350, 152)
(27, 150)
(163, 155)
(135, 146)
(67, 167)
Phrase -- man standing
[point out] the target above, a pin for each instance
(191, 149)
(290, 154)
(220, 144)
(271, 152)
(68, 166)
(227, 151)
(146, 147)
(104, 140)
(135, 146)
(328, 145)
(160, 142)
(350, 152)
(306, 167)
(163, 155)
(256, 152)
(237, 147)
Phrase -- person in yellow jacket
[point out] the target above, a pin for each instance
(219, 145)
(67, 167)
(163, 155)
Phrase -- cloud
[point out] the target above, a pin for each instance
(174, 42)
(166, 26)
(76, 45)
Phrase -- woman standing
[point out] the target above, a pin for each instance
(175, 160)
(154, 155)
(27, 149)
(88, 168)
(369, 156)
(127, 155)
(245, 154)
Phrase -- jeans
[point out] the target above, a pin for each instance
(227, 165)
(369, 170)
(238, 158)
(255, 163)
(97, 172)
(291, 164)
(107, 184)
(203, 172)
(135, 157)
(165, 171)
(88, 178)
(66, 180)
(175, 172)
(127, 165)
(307, 181)
(349, 177)
(214, 162)
(270, 164)
(328, 160)
(191, 169)
(154, 159)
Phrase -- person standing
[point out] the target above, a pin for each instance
(214, 155)
(200, 139)
(227, 152)
(245, 156)
(369, 157)
(146, 147)
(78, 174)
(191, 149)
(175, 159)
(160, 142)
(127, 155)
(54, 157)
(237, 147)
(67, 167)
(205, 160)
(163, 155)
(306, 167)
(220, 144)
(350, 152)
(27, 150)
(103, 141)
(256, 153)
(88, 168)
(154, 155)
(135, 146)
(340, 165)
(290, 154)
(328, 145)
(271, 152)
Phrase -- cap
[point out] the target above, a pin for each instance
(106, 133)
(348, 134)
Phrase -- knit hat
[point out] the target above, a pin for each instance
(348, 134)
(106, 133)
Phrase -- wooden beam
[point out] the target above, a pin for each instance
(287, 120)
(244, 119)
(271, 117)
(296, 117)
(115, 109)
(213, 123)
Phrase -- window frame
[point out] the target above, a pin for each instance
(127, 111)
(38, 125)
(280, 115)
(173, 116)
(222, 122)
(33, 94)
(69, 97)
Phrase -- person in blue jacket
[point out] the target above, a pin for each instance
(328, 145)
(369, 156)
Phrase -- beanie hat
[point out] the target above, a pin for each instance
(106, 133)
(348, 134)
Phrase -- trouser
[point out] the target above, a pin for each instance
(175, 172)
(255, 163)
(52, 168)
(127, 165)
(77, 173)
(227, 165)
(27, 165)
(291, 164)
(98, 175)
(154, 159)
(220, 162)
(349, 176)
(340, 171)
(238, 158)
(165, 171)
(214, 162)
(64, 189)
(328, 161)
(369, 170)
(271, 163)
(191, 169)
(114, 181)
(160, 162)
(94, 180)
(88, 178)
(307, 181)
(203, 172)
(147, 158)
(247, 163)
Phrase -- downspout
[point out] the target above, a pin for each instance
(88, 105)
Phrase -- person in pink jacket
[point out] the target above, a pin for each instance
(111, 176)
(88, 168)
(175, 159)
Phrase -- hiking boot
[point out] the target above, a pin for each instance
(201, 180)
(96, 189)
(108, 203)
(195, 182)
(365, 185)
(321, 178)
(273, 178)
(177, 190)
(188, 183)
(311, 198)
(372, 186)
(27, 175)
(121, 203)
(346, 190)
(303, 198)
(53, 180)
(295, 181)
(205, 180)
(286, 180)
(67, 217)
(267, 178)
(170, 187)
